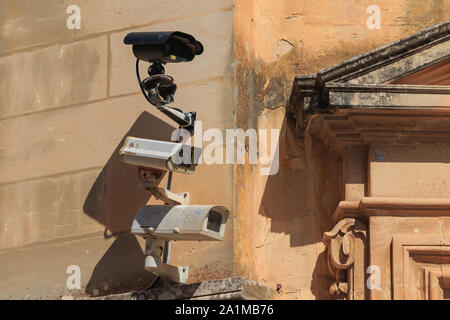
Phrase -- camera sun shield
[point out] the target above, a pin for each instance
(181, 222)
(160, 154)
(166, 46)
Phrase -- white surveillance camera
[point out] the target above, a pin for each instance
(160, 154)
(161, 224)
(181, 222)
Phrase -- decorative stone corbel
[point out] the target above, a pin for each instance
(346, 258)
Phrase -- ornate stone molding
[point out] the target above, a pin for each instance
(336, 88)
(420, 267)
(346, 258)
(383, 206)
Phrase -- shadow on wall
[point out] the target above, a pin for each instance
(120, 269)
(320, 281)
(301, 197)
(113, 201)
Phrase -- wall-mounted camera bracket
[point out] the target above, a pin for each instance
(154, 250)
(150, 177)
(159, 90)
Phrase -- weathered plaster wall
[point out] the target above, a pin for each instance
(68, 98)
(418, 171)
(280, 219)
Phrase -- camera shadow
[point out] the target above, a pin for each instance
(113, 201)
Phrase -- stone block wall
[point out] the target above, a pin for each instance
(68, 98)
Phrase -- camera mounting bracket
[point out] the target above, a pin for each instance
(159, 90)
(154, 250)
(150, 177)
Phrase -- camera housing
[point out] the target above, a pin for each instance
(159, 225)
(165, 46)
(160, 154)
(181, 222)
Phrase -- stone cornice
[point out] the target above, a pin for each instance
(390, 88)
(381, 206)
(338, 87)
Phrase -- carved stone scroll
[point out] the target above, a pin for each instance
(346, 259)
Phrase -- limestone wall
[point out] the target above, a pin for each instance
(68, 98)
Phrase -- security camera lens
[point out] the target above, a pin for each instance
(181, 47)
(214, 221)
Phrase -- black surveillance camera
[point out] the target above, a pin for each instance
(159, 48)
(166, 46)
